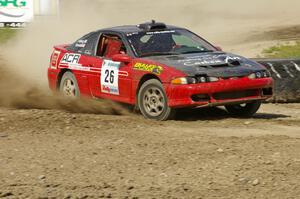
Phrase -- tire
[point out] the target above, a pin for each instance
(68, 85)
(153, 101)
(244, 110)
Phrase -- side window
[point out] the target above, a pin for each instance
(86, 44)
(79, 44)
(109, 45)
(90, 46)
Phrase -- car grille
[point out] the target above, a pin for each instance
(200, 98)
(235, 95)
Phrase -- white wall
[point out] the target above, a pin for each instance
(46, 7)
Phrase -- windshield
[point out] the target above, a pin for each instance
(167, 42)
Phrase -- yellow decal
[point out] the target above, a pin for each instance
(148, 67)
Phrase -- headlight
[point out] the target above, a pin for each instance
(194, 80)
(213, 79)
(184, 80)
(259, 74)
(252, 76)
(204, 79)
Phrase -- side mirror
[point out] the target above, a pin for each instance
(121, 58)
(218, 48)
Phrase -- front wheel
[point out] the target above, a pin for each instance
(244, 110)
(153, 102)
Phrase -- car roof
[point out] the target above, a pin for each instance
(126, 29)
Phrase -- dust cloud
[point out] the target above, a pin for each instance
(17, 92)
(225, 23)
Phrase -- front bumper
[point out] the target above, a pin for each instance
(223, 92)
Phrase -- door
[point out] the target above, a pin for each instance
(113, 80)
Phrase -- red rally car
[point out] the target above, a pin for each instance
(158, 68)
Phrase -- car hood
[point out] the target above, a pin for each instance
(214, 64)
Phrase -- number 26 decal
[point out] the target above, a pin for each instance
(110, 77)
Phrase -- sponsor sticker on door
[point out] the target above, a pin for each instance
(110, 77)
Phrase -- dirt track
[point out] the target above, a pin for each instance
(203, 154)
(208, 154)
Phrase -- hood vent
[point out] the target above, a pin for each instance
(231, 63)
(234, 63)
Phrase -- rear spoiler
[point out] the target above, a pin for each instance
(62, 47)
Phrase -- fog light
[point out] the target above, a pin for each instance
(258, 75)
(266, 73)
(202, 79)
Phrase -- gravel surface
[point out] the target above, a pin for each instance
(202, 154)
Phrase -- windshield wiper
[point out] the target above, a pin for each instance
(158, 54)
(198, 51)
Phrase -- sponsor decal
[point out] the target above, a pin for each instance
(79, 67)
(54, 58)
(15, 11)
(70, 58)
(133, 33)
(148, 68)
(72, 61)
(209, 60)
(14, 3)
(230, 59)
(160, 32)
(81, 43)
(110, 77)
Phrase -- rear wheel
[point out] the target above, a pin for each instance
(68, 85)
(153, 102)
(244, 110)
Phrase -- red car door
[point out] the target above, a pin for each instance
(110, 79)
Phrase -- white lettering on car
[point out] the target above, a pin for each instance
(208, 60)
(71, 61)
(81, 43)
(70, 58)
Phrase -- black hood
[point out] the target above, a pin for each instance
(213, 64)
